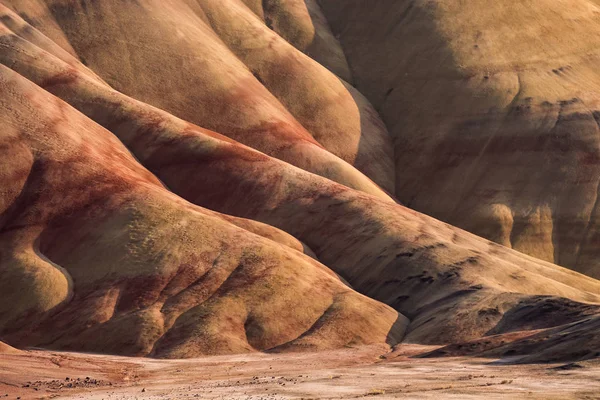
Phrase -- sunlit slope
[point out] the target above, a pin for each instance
(155, 253)
(96, 255)
(218, 65)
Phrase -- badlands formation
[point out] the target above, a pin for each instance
(185, 178)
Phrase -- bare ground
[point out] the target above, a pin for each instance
(343, 374)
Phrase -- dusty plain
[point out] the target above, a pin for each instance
(339, 374)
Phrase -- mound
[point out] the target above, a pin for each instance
(575, 341)
(106, 260)
(494, 108)
(115, 261)
(6, 349)
(225, 70)
(302, 24)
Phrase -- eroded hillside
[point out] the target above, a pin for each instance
(182, 178)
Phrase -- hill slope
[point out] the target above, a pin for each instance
(107, 260)
(494, 108)
(217, 65)
(192, 243)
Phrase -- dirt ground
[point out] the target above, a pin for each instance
(342, 374)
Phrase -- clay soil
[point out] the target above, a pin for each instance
(342, 374)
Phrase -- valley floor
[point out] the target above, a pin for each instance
(343, 374)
